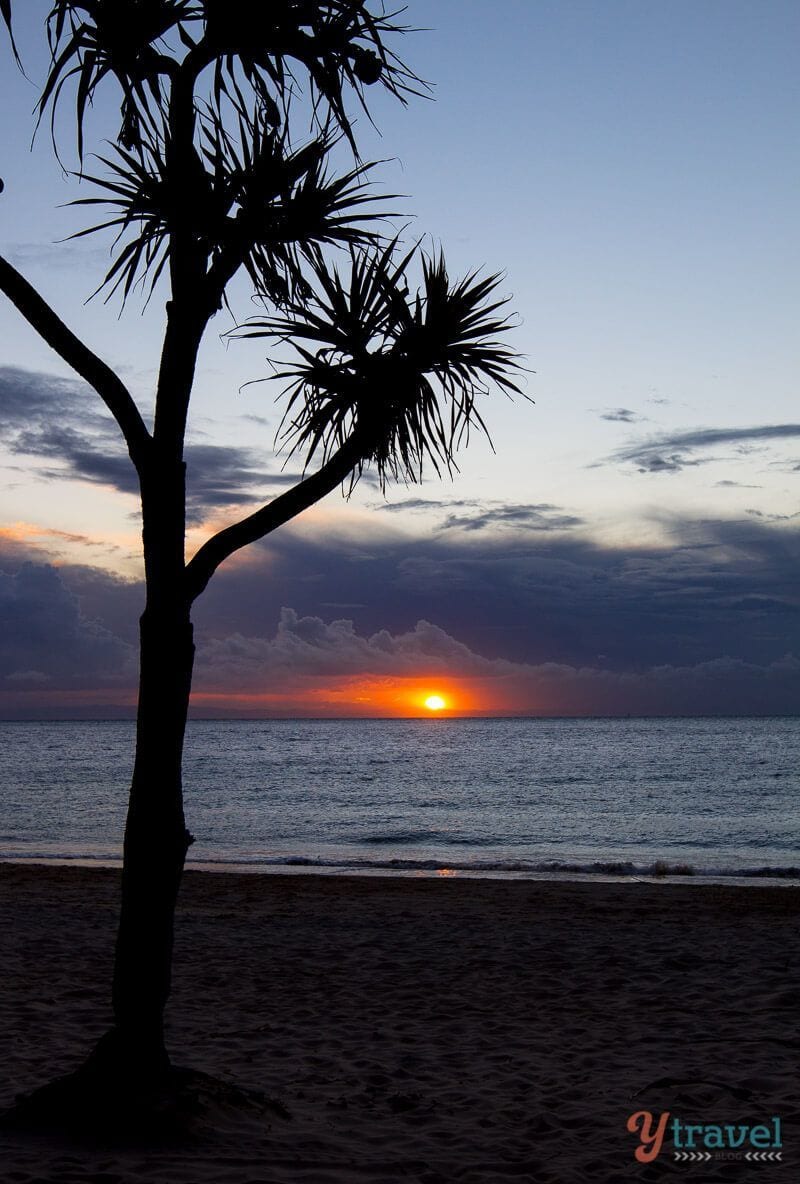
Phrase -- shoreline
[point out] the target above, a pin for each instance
(297, 867)
(424, 1029)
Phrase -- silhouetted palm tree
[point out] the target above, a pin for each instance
(213, 174)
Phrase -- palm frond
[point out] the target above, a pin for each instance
(137, 192)
(340, 45)
(403, 371)
(91, 40)
(5, 13)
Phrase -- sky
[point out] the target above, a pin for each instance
(630, 545)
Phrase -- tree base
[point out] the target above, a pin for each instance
(107, 1100)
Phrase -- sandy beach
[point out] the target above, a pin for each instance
(428, 1030)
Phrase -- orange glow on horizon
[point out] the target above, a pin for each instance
(365, 697)
(310, 698)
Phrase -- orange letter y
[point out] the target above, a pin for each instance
(651, 1140)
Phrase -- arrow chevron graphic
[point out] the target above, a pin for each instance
(752, 1156)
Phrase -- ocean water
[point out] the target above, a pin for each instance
(507, 797)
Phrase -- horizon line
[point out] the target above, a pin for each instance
(438, 716)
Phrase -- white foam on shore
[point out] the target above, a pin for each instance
(548, 872)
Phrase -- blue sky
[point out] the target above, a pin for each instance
(633, 170)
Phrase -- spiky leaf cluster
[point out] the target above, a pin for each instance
(208, 176)
(205, 150)
(246, 198)
(401, 372)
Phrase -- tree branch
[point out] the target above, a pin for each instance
(41, 317)
(288, 505)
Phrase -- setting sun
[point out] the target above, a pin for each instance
(435, 703)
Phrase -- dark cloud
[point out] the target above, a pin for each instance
(31, 401)
(704, 626)
(306, 652)
(58, 420)
(673, 462)
(304, 647)
(620, 415)
(541, 517)
(220, 476)
(114, 603)
(721, 588)
(764, 517)
(676, 451)
(46, 639)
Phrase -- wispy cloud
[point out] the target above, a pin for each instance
(413, 504)
(541, 517)
(673, 452)
(58, 256)
(486, 515)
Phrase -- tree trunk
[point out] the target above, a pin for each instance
(156, 838)
(126, 1079)
(156, 842)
